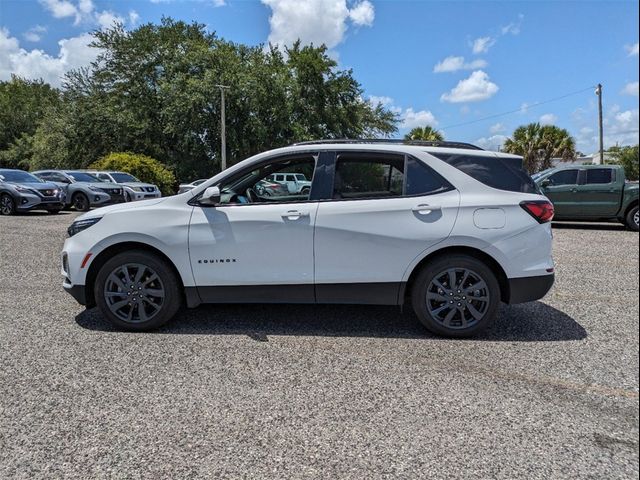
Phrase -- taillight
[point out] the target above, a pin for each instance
(541, 210)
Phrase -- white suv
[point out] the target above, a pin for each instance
(293, 182)
(453, 229)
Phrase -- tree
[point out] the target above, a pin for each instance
(23, 105)
(426, 133)
(153, 90)
(538, 145)
(145, 168)
(629, 158)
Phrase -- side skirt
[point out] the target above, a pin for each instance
(334, 293)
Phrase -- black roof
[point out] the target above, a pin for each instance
(392, 141)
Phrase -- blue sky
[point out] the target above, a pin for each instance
(448, 64)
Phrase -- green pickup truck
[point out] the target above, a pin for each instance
(591, 193)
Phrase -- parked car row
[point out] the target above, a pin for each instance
(54, 190)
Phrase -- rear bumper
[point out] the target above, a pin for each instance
(528, 289)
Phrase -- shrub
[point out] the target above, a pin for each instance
(145, 168)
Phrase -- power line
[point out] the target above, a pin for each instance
(497, 115)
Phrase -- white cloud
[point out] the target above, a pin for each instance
(34, 34)
(384, 101)
(453, 64)
(497, 128)
(219, 3)
(363, 13)
(134, 17)
(493, 142)
(60, 8)
(630, 88)
(315, 21)
(621, 127)
(412, 119)
(476, 88)
(33, 64)
(548, 119)
(482, 44)
(632, 50)
(107, 19)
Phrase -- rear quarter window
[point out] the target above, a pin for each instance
(599, 175)
(495, 172)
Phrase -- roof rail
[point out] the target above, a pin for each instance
(419, 143)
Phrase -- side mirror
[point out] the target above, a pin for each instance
(546, 183)
(210, 197)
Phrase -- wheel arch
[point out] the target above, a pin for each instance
(115, 249)
(484, 257)
(633, 203)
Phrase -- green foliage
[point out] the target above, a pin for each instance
(426, 133)
(629, 158)
(145, 168)
(539, 144)
(23, 106)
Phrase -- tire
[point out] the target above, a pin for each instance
(80, 202)
(305, 191)
(456, 312)
(632, 219)
(110, 295)
(127, 197)
(7, 204)
(54, 211)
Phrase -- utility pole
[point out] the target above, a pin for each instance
(223, 129)
(599, 93)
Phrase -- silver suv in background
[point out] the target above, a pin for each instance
(185, 187)
(134, 189)
(83, 189)
(20, 192)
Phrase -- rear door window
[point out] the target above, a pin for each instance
(495, 172)
(599, 176)
(564, 177)
(360, 176)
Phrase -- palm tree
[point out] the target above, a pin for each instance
(428, 134)
(538, 145)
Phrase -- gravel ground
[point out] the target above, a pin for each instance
(550, 391)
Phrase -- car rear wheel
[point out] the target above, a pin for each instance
(633, 219)
(456, 296)
(137, 291)
(81, 202)
(7, 205)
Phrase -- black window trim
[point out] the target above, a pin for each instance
(404, 176)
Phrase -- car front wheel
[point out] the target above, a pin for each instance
(81, 202)
(456, 296)
(7, 205)
(137, 291)
(633, 219)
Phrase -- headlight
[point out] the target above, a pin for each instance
(18, 188)
(137, 189)
(94, 189)
(80, 225)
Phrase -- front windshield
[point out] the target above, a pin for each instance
(199, 182)
(539, 174)
(84, 177)
(123, 177)
(18, 176)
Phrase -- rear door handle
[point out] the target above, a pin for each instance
(294, 214)
(425, 209)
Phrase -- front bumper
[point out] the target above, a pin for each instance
(78, 292)
(529, 289)
(29, 201)
(135, 196)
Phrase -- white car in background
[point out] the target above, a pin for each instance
(449, 228)
(134, 189)
(295, 183)
(185, 187)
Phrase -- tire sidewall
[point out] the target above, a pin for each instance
(424, 278)
(630, 222)
(173, 296)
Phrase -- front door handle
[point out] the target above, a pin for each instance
(425, 209)
(294, 214)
